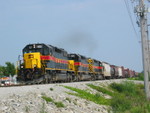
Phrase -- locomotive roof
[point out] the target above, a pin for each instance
(48, 45)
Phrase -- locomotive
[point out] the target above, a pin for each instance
(43, 63)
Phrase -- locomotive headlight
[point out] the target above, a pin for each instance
(31, 56)
(34, 65)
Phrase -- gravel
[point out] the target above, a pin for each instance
(28, 99)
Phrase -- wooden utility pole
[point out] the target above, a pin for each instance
(142, 13)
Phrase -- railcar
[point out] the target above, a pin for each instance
(126, 71)
(106, 70)
(120, 72)
(114, 71)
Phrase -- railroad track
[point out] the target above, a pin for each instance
(30, 84)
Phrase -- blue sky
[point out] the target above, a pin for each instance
(98, 29)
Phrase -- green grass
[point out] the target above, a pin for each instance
(97, 98)
(48, 99)
(100, 89)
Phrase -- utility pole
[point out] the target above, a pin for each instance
(142, 13)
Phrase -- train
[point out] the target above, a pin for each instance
(44, 63)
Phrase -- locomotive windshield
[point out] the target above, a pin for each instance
(33, 48)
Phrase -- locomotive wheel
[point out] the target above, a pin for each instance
(79, 78)
(93, 77)
(70, 77)
(46, 79)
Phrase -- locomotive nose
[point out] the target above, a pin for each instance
(32, 60)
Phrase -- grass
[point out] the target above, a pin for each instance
(100, 89)
(127, 97)
(97, 98)
(48, 99)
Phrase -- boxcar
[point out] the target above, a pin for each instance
(106, 70)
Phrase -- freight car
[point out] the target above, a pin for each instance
(106, 70)
(43, 63)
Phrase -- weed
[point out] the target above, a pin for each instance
(68, 99)
(43, 108)
(51, 89)
(47, 99)
(59, 104)
(27, 109)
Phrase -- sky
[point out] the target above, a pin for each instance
(94, 28)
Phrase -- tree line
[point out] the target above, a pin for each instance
(7, 70)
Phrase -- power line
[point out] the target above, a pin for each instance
(129, 13)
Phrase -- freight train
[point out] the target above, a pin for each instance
(43, 63)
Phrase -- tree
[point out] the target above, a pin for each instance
(10, 69)
(7, 70)
(2, 71)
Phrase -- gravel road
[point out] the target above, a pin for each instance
(27, 99)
